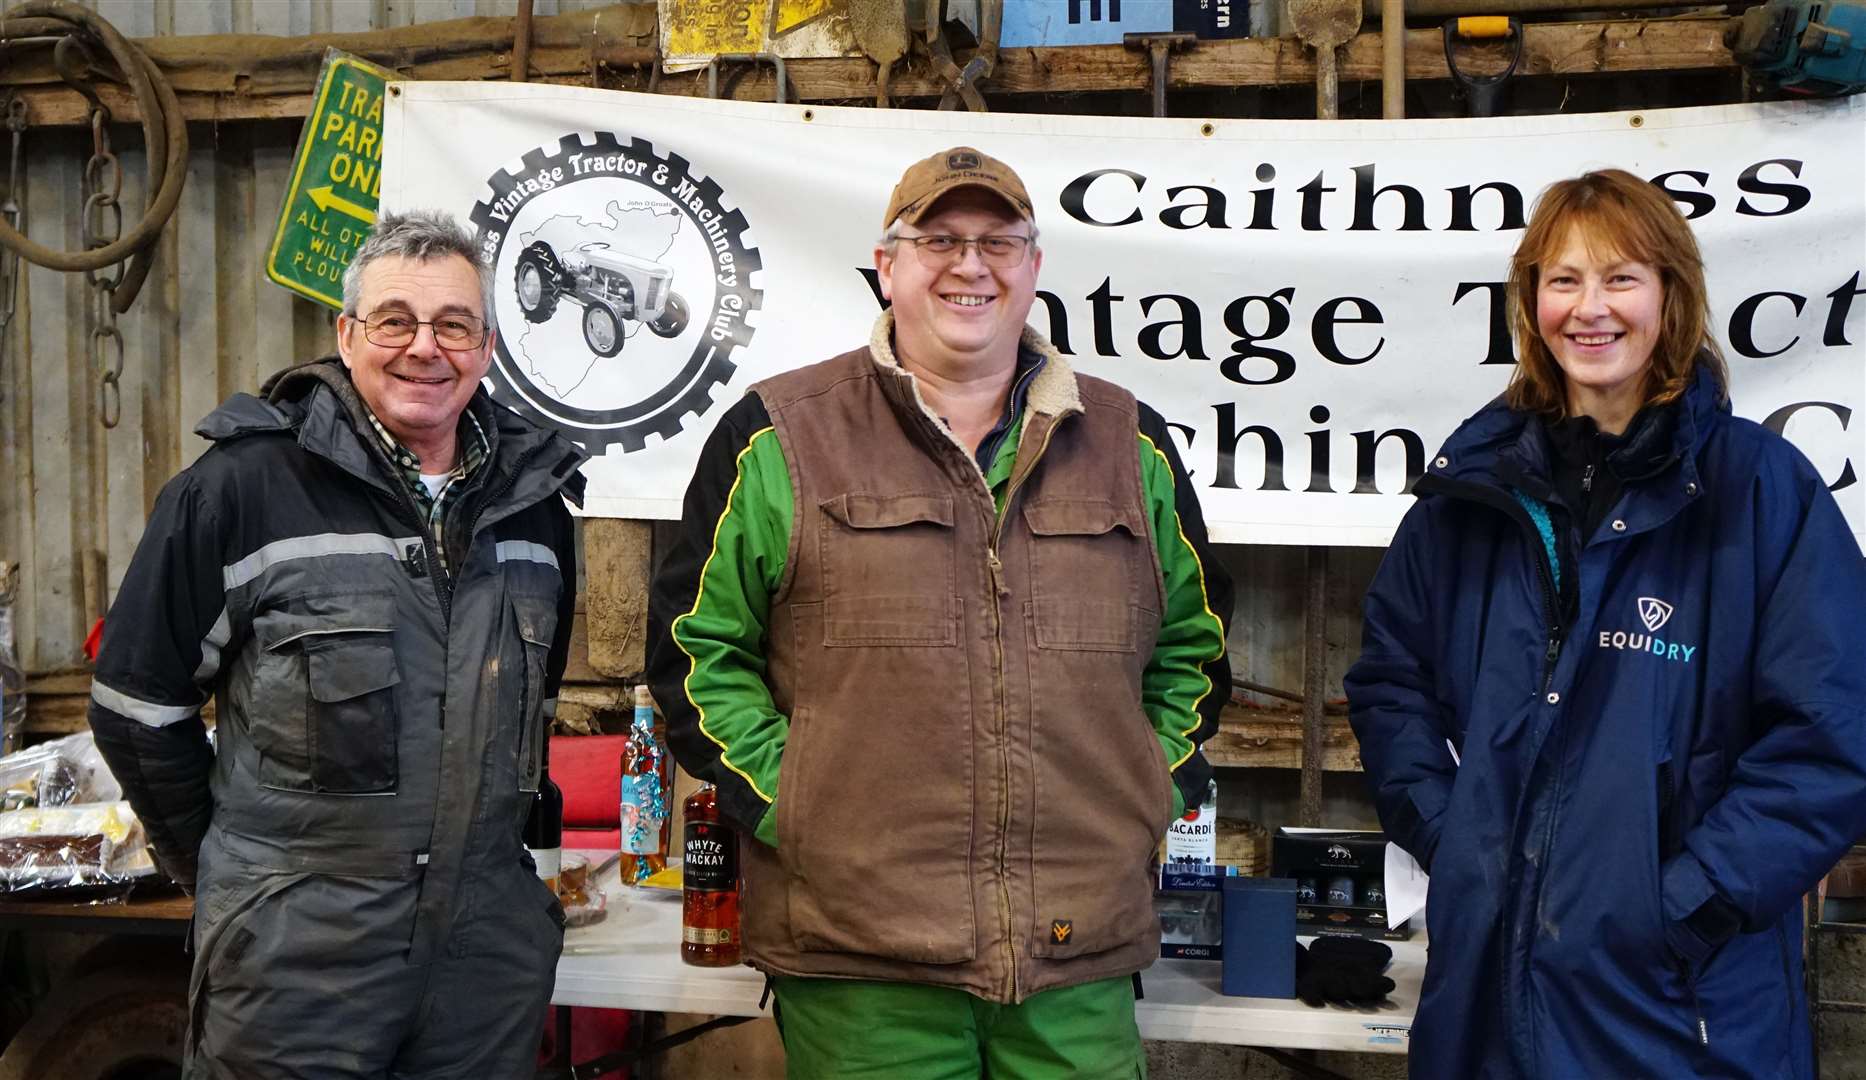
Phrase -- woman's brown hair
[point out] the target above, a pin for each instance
(1619, 215)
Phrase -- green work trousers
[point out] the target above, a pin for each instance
(843, 1029)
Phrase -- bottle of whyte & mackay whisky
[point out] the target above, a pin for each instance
(709, 913)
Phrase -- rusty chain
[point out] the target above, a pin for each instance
(10, 214)
(165, 136)
(100, 224)
(114, 260)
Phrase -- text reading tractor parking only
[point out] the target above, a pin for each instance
(336, 181)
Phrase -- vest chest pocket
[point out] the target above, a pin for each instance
(889, 575)
(324, 712)
(1087, 561)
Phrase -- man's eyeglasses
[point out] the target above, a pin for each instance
(394, 329)
(998, 252)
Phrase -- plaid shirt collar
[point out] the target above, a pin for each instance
(473, 451)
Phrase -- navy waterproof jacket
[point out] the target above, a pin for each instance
(1580, 793)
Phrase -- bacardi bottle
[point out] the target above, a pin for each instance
(1192, 841)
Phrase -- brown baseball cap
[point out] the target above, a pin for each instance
(961, 166)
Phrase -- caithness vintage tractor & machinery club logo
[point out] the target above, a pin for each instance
(622, 287)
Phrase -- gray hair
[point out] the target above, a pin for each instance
(892, 236)
(421, 235)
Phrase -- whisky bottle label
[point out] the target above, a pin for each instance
(694, 935)
(711, 861)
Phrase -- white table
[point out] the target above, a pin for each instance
(631, 960)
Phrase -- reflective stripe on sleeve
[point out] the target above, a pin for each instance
(211, 645)
(136, 709)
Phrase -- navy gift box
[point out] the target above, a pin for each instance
(1260, 937)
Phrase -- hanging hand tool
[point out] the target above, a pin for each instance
(1159, 47)
(1482, 93)
(880, 31)
(962, 84)
(1325, 26)
(1802, 46)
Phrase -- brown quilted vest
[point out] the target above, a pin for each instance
(970, 791)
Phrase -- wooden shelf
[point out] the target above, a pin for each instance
(58, 704)
(1272, 739)
(254, 77)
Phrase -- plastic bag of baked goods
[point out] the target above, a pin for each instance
(50, 847)
(57, 773)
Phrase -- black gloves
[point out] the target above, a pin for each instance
(1342, 971)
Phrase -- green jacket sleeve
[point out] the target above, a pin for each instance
(707, 613)
(1188, 679)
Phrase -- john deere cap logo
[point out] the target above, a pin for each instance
(961, 161)
(1060, 930)
(592, 242)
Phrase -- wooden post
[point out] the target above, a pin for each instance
(1314, 684)
(616, 565)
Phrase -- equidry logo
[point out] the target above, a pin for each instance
(1654, 613)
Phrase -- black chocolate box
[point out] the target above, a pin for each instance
(1340, 881)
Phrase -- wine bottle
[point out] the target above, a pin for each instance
(709, 911)
(645, 818)
(544, 826)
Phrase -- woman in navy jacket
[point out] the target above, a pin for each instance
(1612, 692)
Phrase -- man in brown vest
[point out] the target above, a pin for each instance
(943, 627)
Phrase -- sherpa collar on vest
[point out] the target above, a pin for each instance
(1053, 392)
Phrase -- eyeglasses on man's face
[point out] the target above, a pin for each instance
(396, 329)
(997, 251)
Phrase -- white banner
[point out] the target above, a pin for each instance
(1314, 306)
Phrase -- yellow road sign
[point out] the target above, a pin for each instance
(336, 181)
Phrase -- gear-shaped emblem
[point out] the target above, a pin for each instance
(591, 243)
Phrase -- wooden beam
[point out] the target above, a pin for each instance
(57, 704)
(250, 77)
(1272, 739)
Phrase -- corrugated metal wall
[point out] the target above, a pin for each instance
(206, 324)
(209, 324)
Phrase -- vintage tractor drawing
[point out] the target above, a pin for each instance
(610, 285)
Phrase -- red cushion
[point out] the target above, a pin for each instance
(593, 839)
(589, 769)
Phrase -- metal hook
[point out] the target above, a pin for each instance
(76, 76)
(776, 61)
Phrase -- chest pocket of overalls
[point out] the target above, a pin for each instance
(324, 716)
(1086, 558)
(889, 573)
(536, 617)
